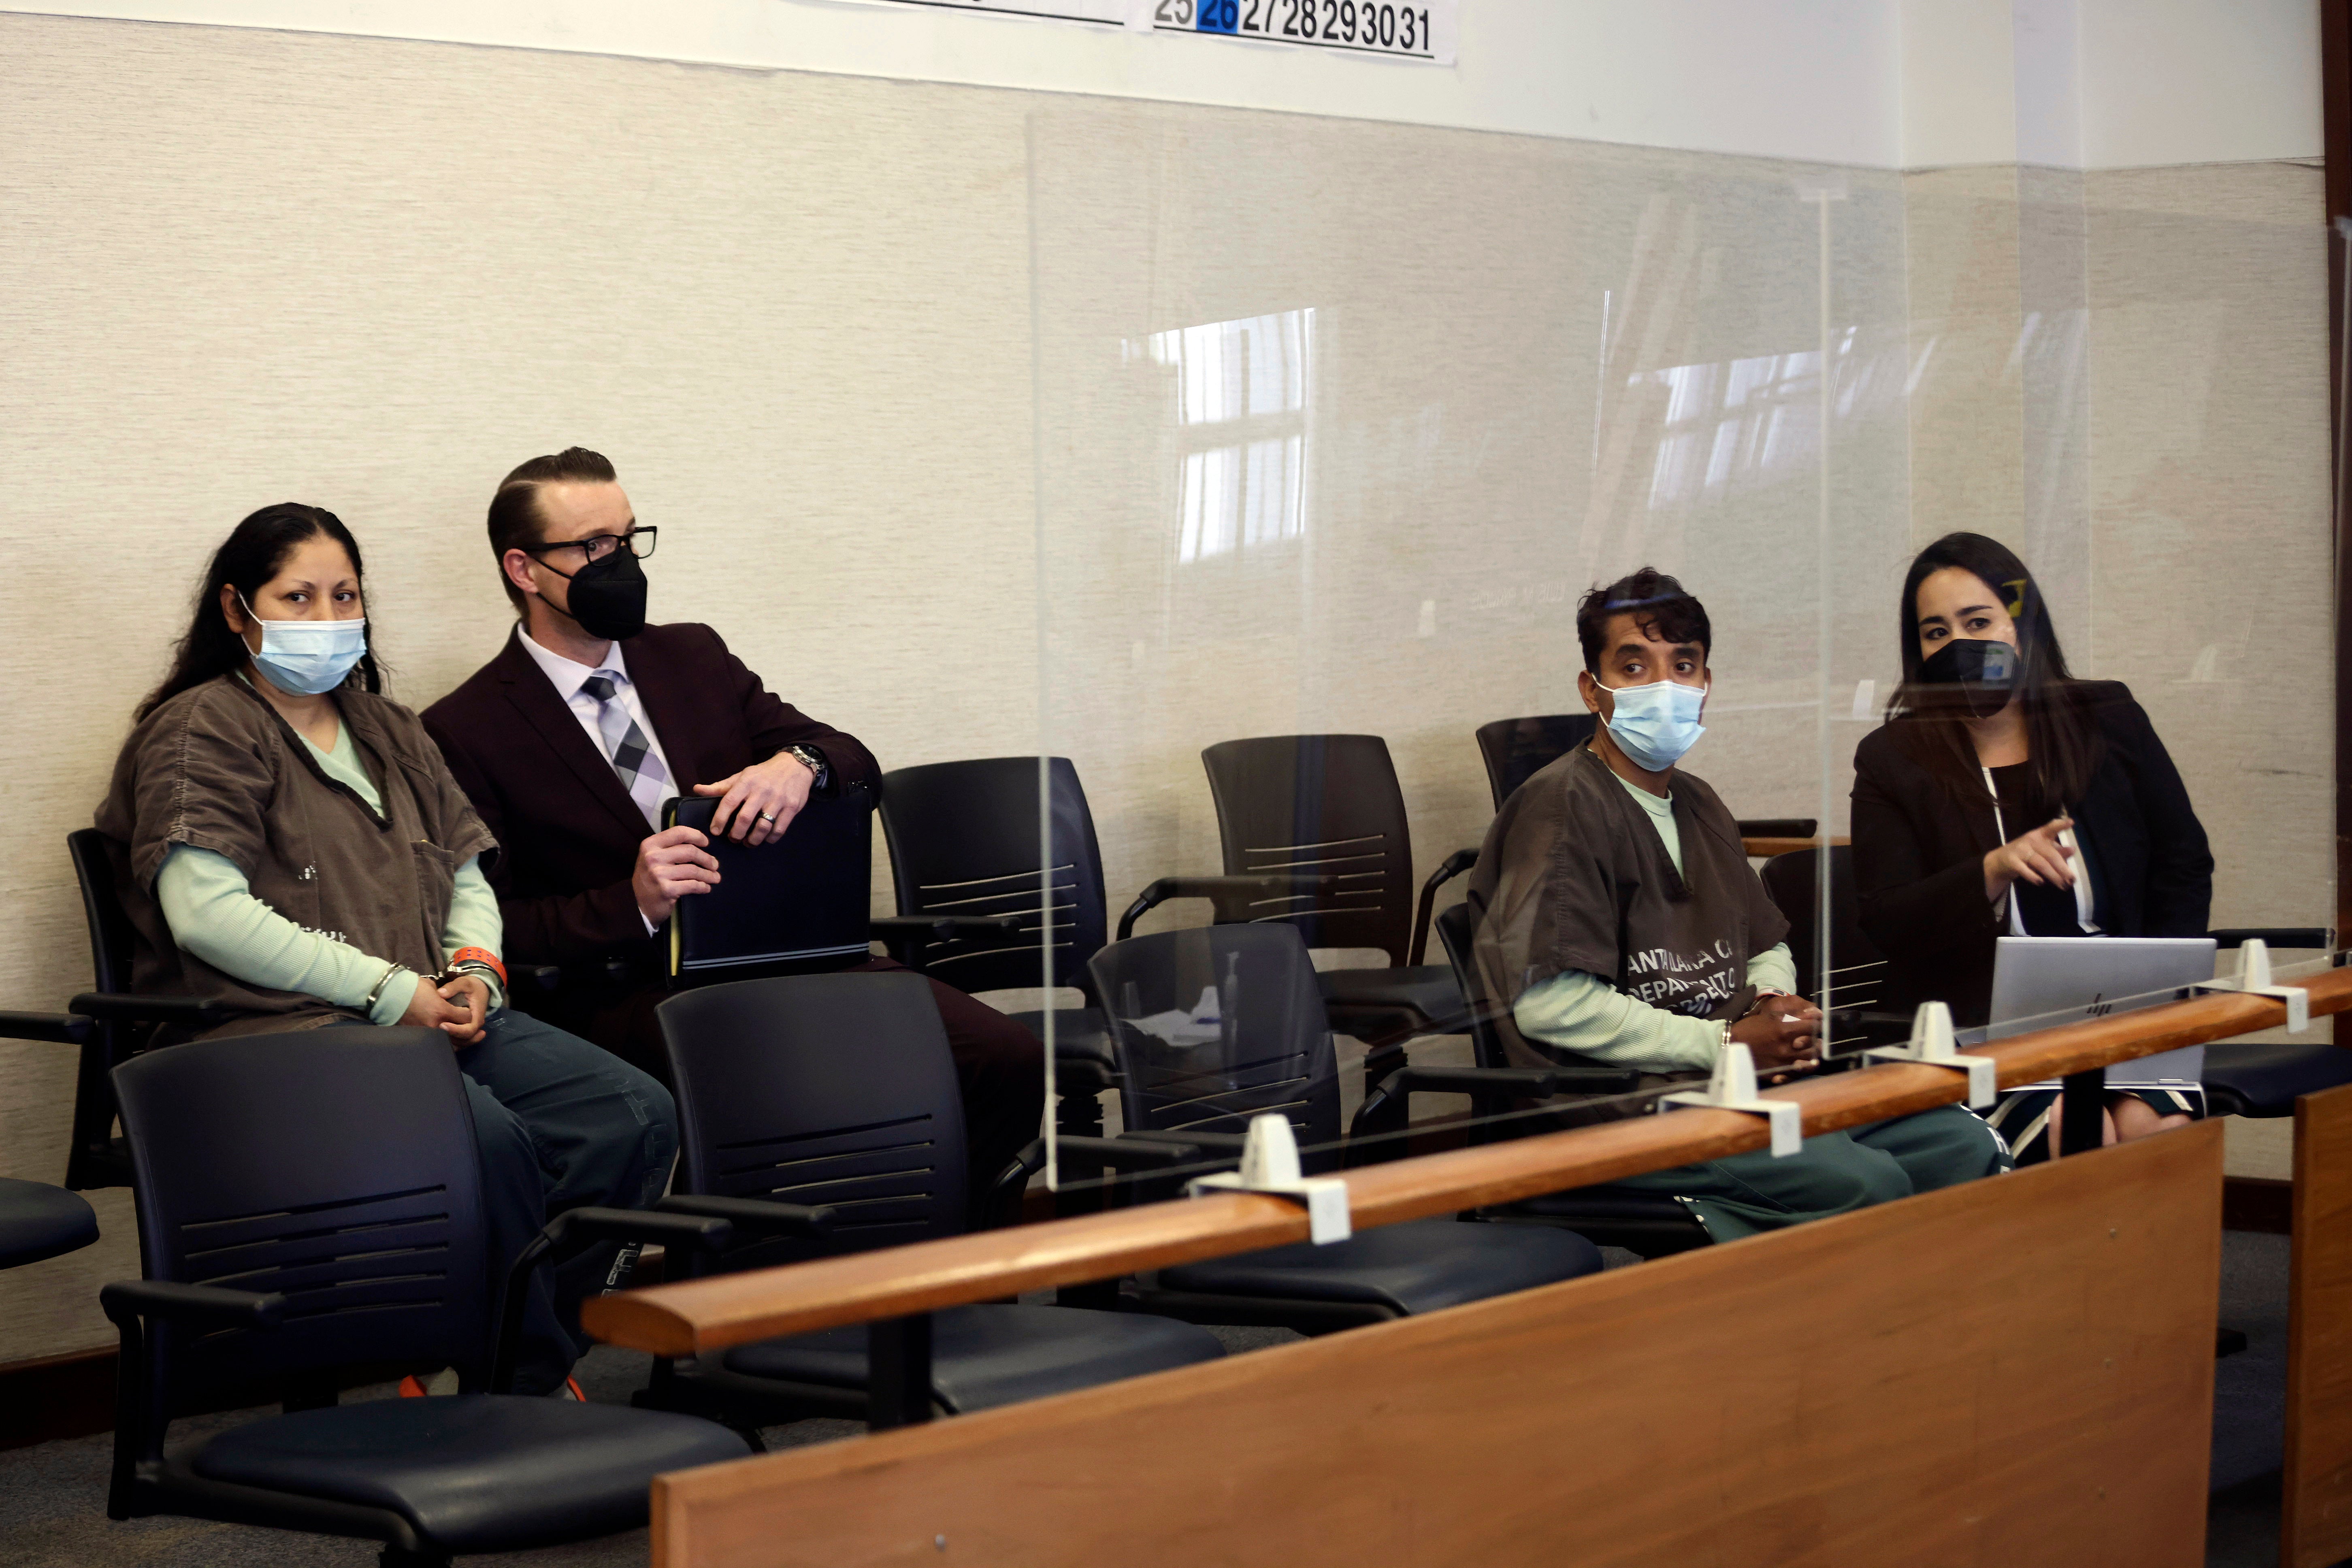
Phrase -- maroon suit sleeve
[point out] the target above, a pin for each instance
(774, 724)
(548, 928)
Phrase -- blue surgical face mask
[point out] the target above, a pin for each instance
(1654, 725)
(307, 658)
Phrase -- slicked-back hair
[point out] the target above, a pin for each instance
(1660, 606)
(515, 522)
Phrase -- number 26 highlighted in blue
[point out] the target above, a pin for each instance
(1220, 17)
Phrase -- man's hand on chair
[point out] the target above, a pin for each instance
(760, 803)
(672, 863)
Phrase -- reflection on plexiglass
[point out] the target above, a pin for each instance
(1528, 372)
(1241, 396)
(1758, 420)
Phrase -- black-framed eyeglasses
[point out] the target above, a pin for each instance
(597, 546)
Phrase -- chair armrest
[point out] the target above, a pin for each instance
(1534, 1083)
(1875, 1027)
(1453, 866)
(1779, 827)
(2276, 936)
(58, 1028)
(184, 1012)
(1209, 1143)
(1387, 1109)
(755, 1217)
(907, 935)
(1004, 1192)
(1231, 895)
(126, 1301)
(1124, 1154)
(572, 1227)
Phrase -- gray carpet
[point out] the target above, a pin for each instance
(2241, 1526)
(53, 1497)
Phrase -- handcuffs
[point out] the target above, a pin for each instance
(465, 961)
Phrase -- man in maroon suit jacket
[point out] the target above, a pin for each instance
(570, 739)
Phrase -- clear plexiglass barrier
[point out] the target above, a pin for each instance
(1540, 609)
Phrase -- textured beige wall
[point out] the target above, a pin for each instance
(243, 266)
(2197, 568)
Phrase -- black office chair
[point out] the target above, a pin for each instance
(1515, 749)
(838, 1090)
(1651, 1223)
(1857, 969)
(38, 1222)
(963, 840)
(311, 1202)
(2265, 1080)
(121, 1025)
(798, 903)
(964, 846)
(1326, 811)
(1271, 1051)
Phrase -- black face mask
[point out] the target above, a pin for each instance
(1983, 674)
(608, 596)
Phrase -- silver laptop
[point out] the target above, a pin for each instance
(2093, 977)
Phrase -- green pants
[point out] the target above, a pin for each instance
(1834, 1173)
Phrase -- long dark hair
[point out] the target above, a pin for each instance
(249, 557)
(2063, 743)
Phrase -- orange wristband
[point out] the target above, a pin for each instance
(478, 955)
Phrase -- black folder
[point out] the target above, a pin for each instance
(794, 905)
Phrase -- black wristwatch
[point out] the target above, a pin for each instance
(814, 759)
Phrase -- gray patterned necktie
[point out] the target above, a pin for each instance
(631, 754)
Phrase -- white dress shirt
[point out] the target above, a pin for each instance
(568, 676)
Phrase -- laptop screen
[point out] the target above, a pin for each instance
(2079, 978)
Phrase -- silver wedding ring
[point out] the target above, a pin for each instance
(765, 816)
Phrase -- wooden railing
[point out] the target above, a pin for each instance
(702, 1316)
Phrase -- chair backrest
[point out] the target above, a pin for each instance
(1267, 1048)
(336, 1166)
(92, 1159)
(1515, 749)
(963, 840)
(1858, 969)
(1456, 930)
(820, 1089)
(794, 905)
(110, 934)
(1325, 805)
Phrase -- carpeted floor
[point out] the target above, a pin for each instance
(2241, 1527)
(53, 1497)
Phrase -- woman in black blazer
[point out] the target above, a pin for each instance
(2004, 798)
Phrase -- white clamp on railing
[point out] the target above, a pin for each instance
(1931, 1042)
(1270, 1165)
(1733, 1088)
(2254, 978)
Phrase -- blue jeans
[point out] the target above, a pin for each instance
(560, 1125)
